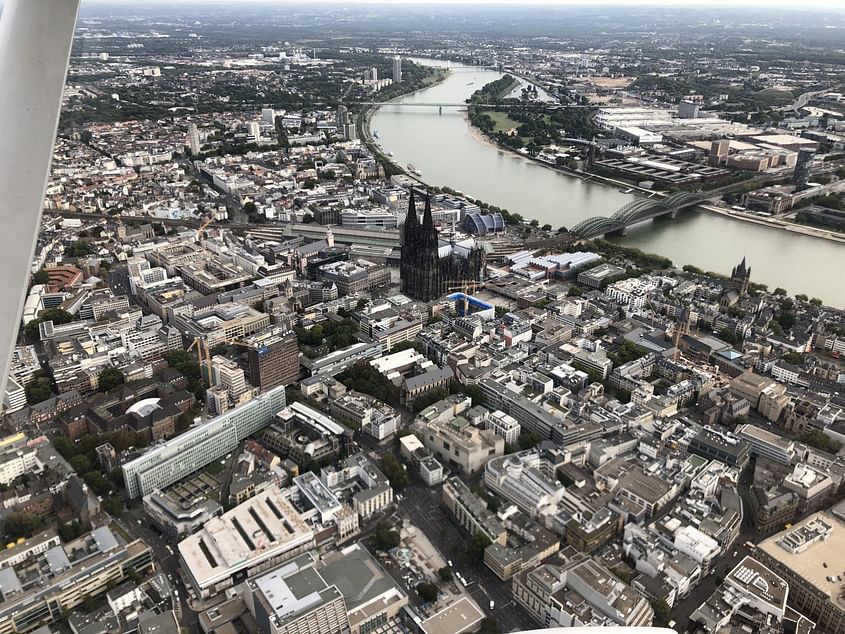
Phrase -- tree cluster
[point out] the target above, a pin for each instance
(394, 471)
(332, 334)
(362, 377)
(109, 379)
(628, 351)
(385, 537)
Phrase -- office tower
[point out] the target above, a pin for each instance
(719, 152)
(268, 116)
(802, 169)
(688, 110)
(194, 139)
(273, 359)
(227, 373)
(254, 129)
(397, 69)
(374, 73)
(342, 116)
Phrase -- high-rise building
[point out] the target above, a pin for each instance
(425, 274)
(342, 116)
(273, 359)
(719, 152)
(802, 169)
(397, 69)
(268, 116)
(194, 139)
(374, 73)
(687, 110)
(254, 129)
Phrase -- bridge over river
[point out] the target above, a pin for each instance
(638, 210)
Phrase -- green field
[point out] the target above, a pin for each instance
(503, 122)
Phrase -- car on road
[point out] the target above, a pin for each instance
(492, 605)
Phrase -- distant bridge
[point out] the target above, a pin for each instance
(464, 104)
(637, 210)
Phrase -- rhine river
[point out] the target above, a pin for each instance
(449, 152)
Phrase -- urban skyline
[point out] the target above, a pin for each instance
(404, 317)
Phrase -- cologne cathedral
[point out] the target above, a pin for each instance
(431, 268)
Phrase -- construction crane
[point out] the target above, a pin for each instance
(465, 287)
(201, 230)
(203, 358)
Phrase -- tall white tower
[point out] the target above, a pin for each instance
(397, 69)
(194, 139)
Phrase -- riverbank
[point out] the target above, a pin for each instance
(364, 119)
(479, 136)
(772, 223)
(812, 232)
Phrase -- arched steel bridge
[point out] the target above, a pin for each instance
(633, 212)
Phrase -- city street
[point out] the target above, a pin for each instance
(422, 506)
(137, 525)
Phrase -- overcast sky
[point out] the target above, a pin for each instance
(762, 4)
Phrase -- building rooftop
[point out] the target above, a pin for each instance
(813, 550)
(358, 576)
(461, 616)
(247, 534)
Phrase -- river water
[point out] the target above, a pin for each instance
(449, 152)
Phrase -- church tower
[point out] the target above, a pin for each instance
(740, 277)
(425, 274)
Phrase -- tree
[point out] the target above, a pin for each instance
(428, 592)
(395, 471)
(729, 336)
(820, 440)
(474, 392)
(69, 532)
(249, 208)
(110, 378)
(362, 377)
(113, 505)
(89, 603)
(661, 613)
(779, 291)
(794, 358)
(97, 482)
(801, 297)
(815, 301)
(56, 315)
(21, 525)
(80, 249)
(546, 227)
(41, 277)
(80, 463)
(445, 574)
(628, 351)
(308, 218)
(528, 440)
(385, 538)
(475, 548)
(38, 390)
